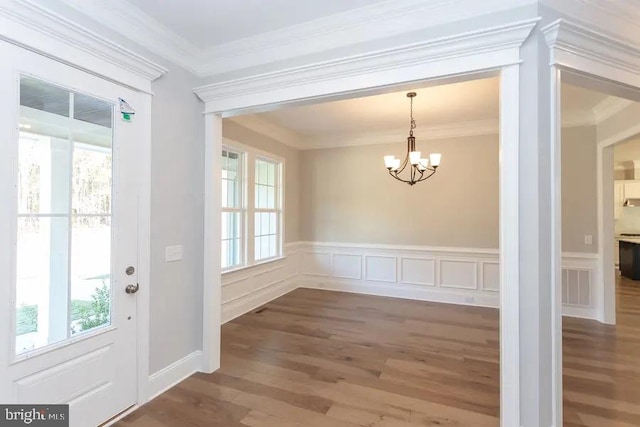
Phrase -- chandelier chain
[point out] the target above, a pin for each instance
(413, 122)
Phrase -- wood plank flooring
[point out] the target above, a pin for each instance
(319, 358)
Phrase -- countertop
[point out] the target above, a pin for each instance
(629, 239)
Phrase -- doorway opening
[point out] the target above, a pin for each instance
(597, 213)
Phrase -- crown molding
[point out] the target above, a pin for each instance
(578, 46)
(428, 133)
(621, 18)
(365, 24)
(494, 44)
(268, 128)
(609, 107)
(32, 26)
(461, 129)
(132, 23)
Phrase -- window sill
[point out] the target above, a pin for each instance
(257, 264)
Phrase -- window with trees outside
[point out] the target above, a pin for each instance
(251, 207)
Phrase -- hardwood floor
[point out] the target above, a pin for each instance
(318, 358)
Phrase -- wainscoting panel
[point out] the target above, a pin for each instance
(418, 271)
(316, 263)
(381, 269)
(490, 275)
(248, 288)
(458, 274)
(467, 276)
(449, 275)
(346, 266)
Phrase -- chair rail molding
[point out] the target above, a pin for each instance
(485, 49)
(579, 47)
(31, 25)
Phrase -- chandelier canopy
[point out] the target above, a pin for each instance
(419, 169)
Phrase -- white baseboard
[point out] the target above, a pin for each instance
(245, 304)
(171, 375)
(394, 290)
(579, 312)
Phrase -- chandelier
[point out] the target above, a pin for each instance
(419, 169)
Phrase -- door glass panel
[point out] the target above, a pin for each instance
(64, 214)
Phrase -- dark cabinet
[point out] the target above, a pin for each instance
(630, 260)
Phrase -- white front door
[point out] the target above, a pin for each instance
(68, 238)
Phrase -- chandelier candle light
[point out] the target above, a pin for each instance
(420, 169)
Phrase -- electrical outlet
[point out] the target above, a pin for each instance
(173, 253)
(588, 239)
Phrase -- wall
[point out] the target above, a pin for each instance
(241, 134)
(579, 189)
(349, 196)
(177, 169)
(457, 207)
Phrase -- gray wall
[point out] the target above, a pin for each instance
(291, 155)
(177, 189)
(347, 195)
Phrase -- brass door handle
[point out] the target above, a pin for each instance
(132, 289)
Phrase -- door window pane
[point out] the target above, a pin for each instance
(64, 214)
(90, 273)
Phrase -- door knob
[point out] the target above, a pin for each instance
(132, 289)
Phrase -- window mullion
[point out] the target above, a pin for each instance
(251, 209)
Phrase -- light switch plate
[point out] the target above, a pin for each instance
(173, 253)
(588, 239)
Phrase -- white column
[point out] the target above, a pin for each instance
(606, 283)
(536, 384)
(212, 300)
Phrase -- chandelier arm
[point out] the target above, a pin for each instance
(433, 171)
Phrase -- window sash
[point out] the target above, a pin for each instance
(258, 245)
(233, 236)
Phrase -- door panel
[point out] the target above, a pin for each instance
(69, 198)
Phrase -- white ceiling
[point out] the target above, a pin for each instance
(210, 23)
(466, 108)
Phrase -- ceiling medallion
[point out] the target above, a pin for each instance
(419, 169)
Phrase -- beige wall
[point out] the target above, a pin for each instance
(579, 189)
(348, 196)
(291, 155)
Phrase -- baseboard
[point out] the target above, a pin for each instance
(414, 292)
(245, 304)
(166, 378)
(579, 312)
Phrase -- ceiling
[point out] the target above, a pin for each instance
(457, 109)
(210, 23)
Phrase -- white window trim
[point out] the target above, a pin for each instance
(250, 155)
(242, 209)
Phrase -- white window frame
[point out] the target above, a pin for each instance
(242, 210)
(250, 155)
(277, 209)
